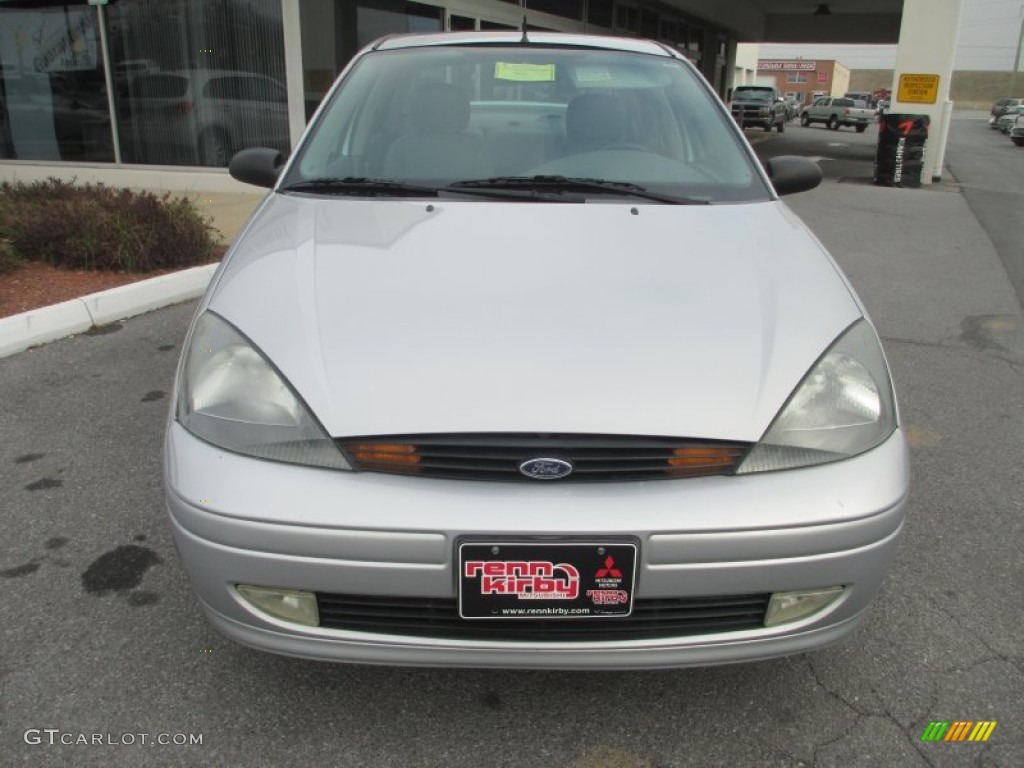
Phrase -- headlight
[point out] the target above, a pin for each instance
(231, 396)
(844, 406)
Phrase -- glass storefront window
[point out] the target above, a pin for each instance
(697, 41)
(600, 12)
(382, 17)
(196, 82)
(53, 98)
(458, 23)
(648, 24)
(191, 82)
(570, 9)
(327, 31)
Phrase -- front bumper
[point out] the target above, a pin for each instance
(745, 118)
(240, 520)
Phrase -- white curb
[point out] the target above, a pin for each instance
(39, 326)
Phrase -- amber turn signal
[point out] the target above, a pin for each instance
(388, 454)
(702, 459)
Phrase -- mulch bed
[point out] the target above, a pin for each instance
(34, 284)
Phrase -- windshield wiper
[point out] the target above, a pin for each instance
(576, 184)
(358, 185)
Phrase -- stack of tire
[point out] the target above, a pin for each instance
(899, 157)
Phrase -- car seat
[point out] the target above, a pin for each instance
(437, 145)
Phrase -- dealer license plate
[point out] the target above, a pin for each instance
(547, 580)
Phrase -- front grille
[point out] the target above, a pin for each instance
(747, 112)
(593, 458)
(439, 618)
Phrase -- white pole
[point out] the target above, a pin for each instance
(940, 149)
(1016, 58)
(115, 135)
(293, 69)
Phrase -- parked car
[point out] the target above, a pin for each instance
(129, 68)
(614, 407)
(865, 99)
(1017, 130)
(758, 105)
(1000, 107)
(203, 115)
(836, 113)
(1007, 119)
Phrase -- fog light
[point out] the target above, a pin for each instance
(785, 607)
(287, 604)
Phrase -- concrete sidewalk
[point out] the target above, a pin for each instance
(228, 211)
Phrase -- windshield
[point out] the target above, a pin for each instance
(752, 94)
(446, 114)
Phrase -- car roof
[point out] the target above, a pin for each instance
(515, 37)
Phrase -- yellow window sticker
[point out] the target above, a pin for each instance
(524, 73)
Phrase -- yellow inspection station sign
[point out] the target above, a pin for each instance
(918, 89)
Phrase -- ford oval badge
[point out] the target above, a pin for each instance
(545, 469)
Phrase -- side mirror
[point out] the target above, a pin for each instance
(790, 173)
(259, 166)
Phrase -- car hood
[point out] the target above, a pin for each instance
(398, 317)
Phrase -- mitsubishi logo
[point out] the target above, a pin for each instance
(609, 570)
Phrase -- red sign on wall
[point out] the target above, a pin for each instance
(787, 66)
(823, 77)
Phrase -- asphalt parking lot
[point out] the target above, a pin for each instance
(101, 635)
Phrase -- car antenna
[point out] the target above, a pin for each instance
(525, 40)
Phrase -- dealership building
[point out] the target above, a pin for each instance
(149, 92)
(803, 80)
(182, 84)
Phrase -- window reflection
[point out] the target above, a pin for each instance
(53, 101)
(196, 82)
(376, 18)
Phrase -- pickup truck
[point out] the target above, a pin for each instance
(758, 105)
(837, 112)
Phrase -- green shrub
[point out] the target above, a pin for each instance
(93, 226)
(8, 258)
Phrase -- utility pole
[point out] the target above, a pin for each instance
(1016, 58)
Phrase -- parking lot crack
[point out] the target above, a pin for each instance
(834, 694)
(996, 655)
(911, 736)
(852, 727)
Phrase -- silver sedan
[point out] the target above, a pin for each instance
(523, 363)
